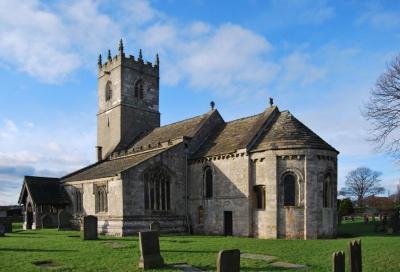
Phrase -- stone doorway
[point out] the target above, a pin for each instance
(29, 216)
(228, 224)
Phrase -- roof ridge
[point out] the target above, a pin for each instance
(184, 120)
(29, 176)
(242, 118)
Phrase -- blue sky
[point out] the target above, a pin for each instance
(318, 59)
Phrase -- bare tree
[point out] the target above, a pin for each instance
(383, 110)
(362, 182)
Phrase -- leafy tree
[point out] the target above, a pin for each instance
(346, 207)
(362, 182)
(383, 110)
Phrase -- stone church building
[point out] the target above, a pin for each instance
(266, 175)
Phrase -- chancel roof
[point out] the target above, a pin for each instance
(287, 132)
(44, 191)
(234, 135)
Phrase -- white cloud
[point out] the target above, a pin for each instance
(297, 68)
(51, 43)
(301, 12)
(378, 17)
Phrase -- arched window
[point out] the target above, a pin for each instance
(108, 90)
(289, 190)
(157, 190)
(208, 182)
(139, 93)
(101, 199)
(327, 192)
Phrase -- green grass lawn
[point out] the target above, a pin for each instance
(20, 249)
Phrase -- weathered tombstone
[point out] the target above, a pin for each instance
(228, 261)
(64, 220)
(338, 263)
(2, 230)
(355, 261)
(150, 256)
(90, 227)
(155, 226)
(7, 223)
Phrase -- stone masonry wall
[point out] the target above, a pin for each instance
(230, 193)
(136, 217)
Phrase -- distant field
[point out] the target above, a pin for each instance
(68, 252)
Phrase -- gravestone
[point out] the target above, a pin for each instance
(338, 263)
(90, 227)
(228, 260)
(155, 226)
(2, 230)
(64, 220)
(355, 261)
(150, 256)
(6, 222)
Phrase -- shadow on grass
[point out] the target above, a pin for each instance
(24, 232)
(36, 250)
(190, 251)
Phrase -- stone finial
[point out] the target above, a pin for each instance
(109, 55)
(121, 47)
(157, 63)
(140, 55)
(271, 101)
(212, 104)
(99, 61)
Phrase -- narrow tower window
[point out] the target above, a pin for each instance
(139, 93)
(108, 90)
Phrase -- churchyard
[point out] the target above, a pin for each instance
(50, 249)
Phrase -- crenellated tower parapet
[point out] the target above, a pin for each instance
(130, 61)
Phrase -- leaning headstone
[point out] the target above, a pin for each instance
(2, 230)
(7, 223)
(64, 220)
(150, 256)
(90, 227)
(228, 261)
(155, 226)
(355, 261)
(338, 263)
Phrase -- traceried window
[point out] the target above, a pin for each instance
(108, 90)
(259, 192)
(289, 190)
(139, 91)
(101, 199)
(208, 182)
(78, 200)
(327, 192)
(157, 190)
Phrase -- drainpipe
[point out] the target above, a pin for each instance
(99, 153)
(186, 191)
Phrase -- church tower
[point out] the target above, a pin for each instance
(128, 93)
